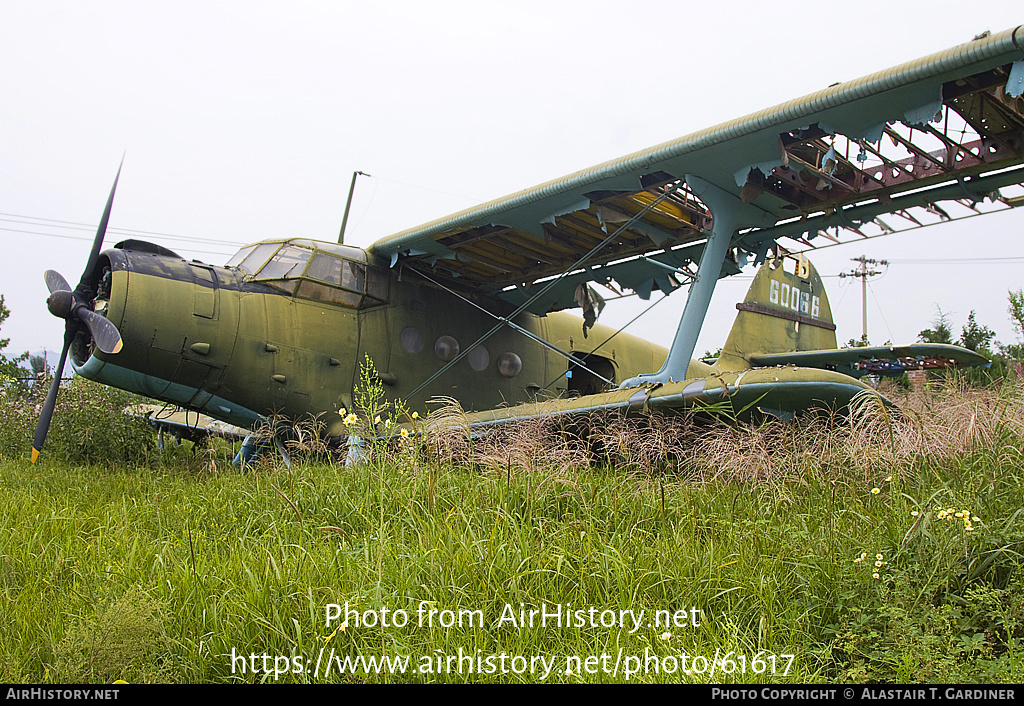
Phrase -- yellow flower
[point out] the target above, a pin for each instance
(876, 491)
(914, 513)
(666, 635)
(888, 479)
(875, 575)
(351, 419)
(415, 415)
(376, 420)
(879, 564)
(404, 433)
(878, 556)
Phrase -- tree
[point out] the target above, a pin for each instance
(974, 336)
(38, 364)
(1016, 311)
(8, 368)
(4, 313)
(941, 333)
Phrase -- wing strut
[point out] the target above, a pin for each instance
(729, 214)
(548, 285)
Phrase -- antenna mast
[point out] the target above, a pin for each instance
(348, 205)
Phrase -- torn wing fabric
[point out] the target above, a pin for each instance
(592, 304)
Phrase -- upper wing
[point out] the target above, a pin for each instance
(928, 140)
(878, 360)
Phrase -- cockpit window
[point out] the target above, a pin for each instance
(310, 273)
(239, 256)
(334, 270)
(255, 257)
(288, 262)
(326, 268)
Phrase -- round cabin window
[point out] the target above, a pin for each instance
(509, 364)
(446, 348)
(479, 358)
(412, 340)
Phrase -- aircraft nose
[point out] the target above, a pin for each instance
(74, 307)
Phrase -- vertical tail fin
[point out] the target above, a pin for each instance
(784, 311)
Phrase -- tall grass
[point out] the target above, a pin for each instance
(767, 535)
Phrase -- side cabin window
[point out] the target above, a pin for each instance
(310, 273)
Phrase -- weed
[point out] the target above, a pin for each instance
(124, 640)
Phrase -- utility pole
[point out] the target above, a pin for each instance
(348, 205)
(863, 272)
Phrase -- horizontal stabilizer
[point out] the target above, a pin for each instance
(878, 360)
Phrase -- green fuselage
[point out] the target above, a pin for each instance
(239, 348)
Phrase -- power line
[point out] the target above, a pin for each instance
(87, 238)
(1012, 259)
(75, 225)
(87, 230)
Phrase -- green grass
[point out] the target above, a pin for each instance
(162, 570)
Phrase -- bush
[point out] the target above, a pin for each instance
(88, 426)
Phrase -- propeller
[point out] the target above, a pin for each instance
(75, 307)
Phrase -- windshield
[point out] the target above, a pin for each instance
(288, 262)
(252, 258)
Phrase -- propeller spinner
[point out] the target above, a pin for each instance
(74, 306)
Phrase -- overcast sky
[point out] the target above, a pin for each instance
(245, 120)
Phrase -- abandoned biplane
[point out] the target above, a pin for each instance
(472, 306)
(782, 330)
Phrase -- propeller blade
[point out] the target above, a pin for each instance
(46, 414)
(55, 282)
(97, 243)
(104, 334)
(62, 303)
